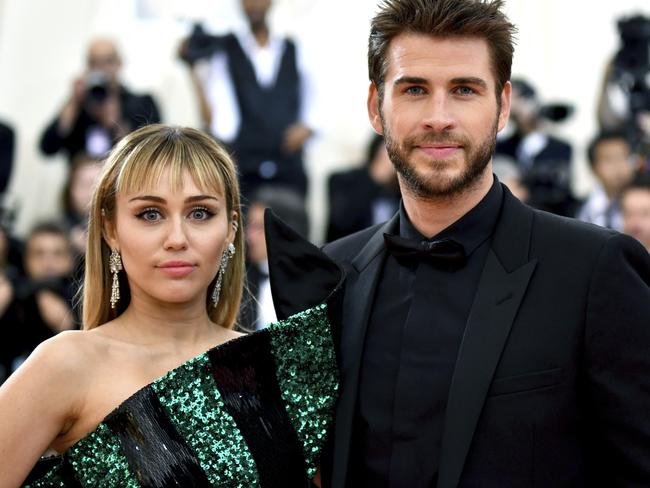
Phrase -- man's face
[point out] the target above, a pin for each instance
(256, 10)
(48, 255)
(636, 214)
(613, 165)
(103, 56)
(439, 114)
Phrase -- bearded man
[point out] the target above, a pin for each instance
(484, 343)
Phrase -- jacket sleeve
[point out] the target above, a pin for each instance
(617, 358)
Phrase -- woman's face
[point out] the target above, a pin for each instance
(171, 242)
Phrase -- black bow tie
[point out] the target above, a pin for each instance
(445, 253)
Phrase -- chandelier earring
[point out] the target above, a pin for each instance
(225, 259)
(115, 266)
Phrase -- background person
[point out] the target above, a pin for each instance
(635, 205)
(258, 310)
(100, 109)
(613, 163)
(255, 96)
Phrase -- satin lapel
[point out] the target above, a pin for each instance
(360, 285)
(498, 297)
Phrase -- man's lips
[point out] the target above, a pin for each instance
(176, 269)
(439, 150)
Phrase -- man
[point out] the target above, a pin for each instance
(635, 203)
(612, 162)
(483, 343)
(100, 110)
(255, 97)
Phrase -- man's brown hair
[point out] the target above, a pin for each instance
(442, 18)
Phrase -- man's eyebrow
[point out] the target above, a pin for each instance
(153, 198)
(410, 80)
(469, 80)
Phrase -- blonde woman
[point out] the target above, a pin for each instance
(158, 390)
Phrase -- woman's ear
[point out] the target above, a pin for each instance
(234, 227)
(109, 232)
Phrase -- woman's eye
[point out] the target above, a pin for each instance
(150, 215)
(200, 214)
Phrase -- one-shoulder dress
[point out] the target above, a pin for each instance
(252, 412)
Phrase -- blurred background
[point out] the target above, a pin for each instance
(563, 49)
(76, 75)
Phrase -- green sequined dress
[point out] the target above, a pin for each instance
(253, 412)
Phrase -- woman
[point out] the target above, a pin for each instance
(134, 399)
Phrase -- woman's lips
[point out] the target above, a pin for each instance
(176, 269)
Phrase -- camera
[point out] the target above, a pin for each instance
(97, 87)
(632, 67)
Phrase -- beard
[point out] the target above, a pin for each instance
(477, 157)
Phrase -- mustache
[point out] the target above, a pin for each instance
(435, 139)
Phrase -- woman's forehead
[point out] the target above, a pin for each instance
(172, 182)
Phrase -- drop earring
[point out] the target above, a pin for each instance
(115, 266)
(225, 259)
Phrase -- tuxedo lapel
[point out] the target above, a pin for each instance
(361, 282)
(501, 288)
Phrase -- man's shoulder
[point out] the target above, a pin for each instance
(575, 239)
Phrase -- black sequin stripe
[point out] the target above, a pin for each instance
(55, 469)
(246, 378)
(157, 455)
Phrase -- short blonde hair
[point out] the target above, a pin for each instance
(136, 163)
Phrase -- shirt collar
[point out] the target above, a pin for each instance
(471, 230)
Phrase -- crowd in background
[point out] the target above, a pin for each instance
(254, 96)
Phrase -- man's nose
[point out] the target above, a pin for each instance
(438, 116)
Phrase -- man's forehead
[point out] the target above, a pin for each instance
(101, 50)
(414, 51)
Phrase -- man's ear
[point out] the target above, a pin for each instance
(373, 109)
(504, 113)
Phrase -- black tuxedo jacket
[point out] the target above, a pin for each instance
(552, 383)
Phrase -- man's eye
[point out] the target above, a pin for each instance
(415, 90)
(465, 90)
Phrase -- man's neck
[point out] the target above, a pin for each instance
(431, 215)
(261, 33)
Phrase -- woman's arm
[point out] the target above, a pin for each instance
(37, 403)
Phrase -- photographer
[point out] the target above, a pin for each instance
(624, 102)
(543, 160)
(100, 110)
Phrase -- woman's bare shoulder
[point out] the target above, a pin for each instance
(67, 352)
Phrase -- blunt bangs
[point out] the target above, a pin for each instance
(143, 167)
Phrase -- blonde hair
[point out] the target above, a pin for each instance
(136, 163)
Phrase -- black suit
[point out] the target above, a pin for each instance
(551, 387)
